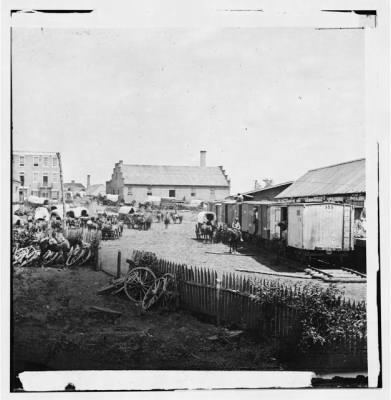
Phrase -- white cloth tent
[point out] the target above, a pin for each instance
(126, 210)
(112, 197)
(36, 200)
(42, 213)
(206, 215)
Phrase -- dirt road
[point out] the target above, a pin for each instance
(178, 244)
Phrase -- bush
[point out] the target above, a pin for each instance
(324, 318)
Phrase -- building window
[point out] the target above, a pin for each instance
(55, 177)
(36, 161)
(54, 161)
(35, 177)
(21, 161)
(149, 191)
(171, 193)
(46, 162)
(212, 191)
(21, 178)
(130, 191)
(45, 180)
(193, 193)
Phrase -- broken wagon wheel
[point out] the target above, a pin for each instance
(137, 283)
(154, 293)
(112, 286)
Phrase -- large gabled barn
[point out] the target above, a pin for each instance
(139, 182)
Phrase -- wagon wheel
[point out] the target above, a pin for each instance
(30, 257)
(86, 254)
(154, 293)
(74, 257)
(20, 254)
(137, 283)
(50, 257)
(169, 290)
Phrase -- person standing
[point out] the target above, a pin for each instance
(166, 220)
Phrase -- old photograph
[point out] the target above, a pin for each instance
(189, 199)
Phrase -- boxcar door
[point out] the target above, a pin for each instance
(295, 226)
(265, 222)
(275, 219)
(244, 217)
(239, 213)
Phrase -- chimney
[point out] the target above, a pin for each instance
(202, 158)
(88, 180)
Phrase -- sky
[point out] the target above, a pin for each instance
(263, 102)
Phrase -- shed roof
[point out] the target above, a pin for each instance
(267, 188)
(95, 190)
(173, 175)
(74, 185)
(344, 178)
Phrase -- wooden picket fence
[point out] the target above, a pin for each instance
(230, 300)
(86, 235)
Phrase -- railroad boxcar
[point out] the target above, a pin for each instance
(219, 212)
(231, 212)
(322, 227)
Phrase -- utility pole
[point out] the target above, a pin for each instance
(62, 190)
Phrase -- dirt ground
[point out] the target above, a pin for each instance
(178, 244)
(54, 328)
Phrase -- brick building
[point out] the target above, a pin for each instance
(38, 174)
(138, 182)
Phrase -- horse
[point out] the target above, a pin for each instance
(92, 226)
(206, 232)
(233, 237)
(177, 218)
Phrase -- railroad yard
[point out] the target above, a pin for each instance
(190, 200)
(178, 244)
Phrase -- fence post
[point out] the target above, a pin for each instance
(119, 264)
(98, 263)
(218, 298)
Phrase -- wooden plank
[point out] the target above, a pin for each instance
(106, 310)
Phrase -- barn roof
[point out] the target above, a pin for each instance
(173, 175)
(254, 191)
(94, 190)
(74, 185)
(344, 178)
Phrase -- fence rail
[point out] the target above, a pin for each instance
(231, 301)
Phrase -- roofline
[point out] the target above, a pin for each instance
(269, 187)
(171, 166)
(174, 185)
(33, 152)
(317, 195)
(335, 165)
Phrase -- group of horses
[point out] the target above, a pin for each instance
(216, 234)
(139, 221)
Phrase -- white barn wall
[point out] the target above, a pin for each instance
(139, 193)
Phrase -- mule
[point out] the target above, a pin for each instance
(233, 238)
(206, 232)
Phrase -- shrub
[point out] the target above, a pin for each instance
(324, 317)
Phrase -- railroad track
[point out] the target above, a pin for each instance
(333, 273)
